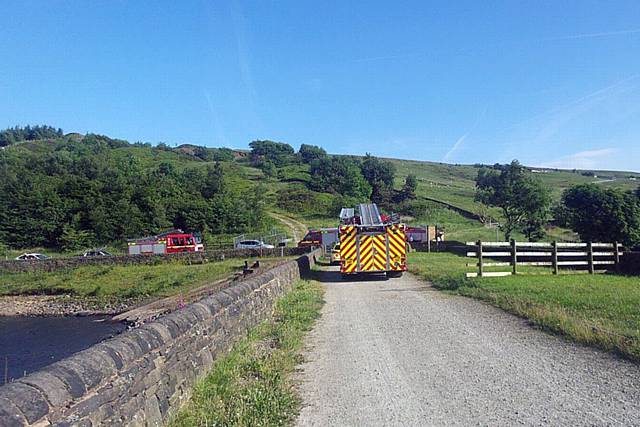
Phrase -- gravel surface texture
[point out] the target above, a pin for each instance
(397, 352)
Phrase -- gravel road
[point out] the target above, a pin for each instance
(397, 352)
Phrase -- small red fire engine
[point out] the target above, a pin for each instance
(169, 242)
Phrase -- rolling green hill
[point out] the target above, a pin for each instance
(455, 184)
(286, 192)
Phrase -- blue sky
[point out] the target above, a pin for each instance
(551, 83)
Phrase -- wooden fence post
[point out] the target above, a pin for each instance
(590, 260)
(616, 255)
(480, 258)
(514, 257)
(554, 260)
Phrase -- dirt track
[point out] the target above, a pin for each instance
(298, 229)
(397, 352)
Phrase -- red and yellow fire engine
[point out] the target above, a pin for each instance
(169, 242)
(371, 243)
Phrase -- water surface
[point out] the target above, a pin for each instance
(30, 343)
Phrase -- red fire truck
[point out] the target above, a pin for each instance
(169, 242)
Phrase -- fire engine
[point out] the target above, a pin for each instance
(371, 242)
(323, 237)
(169, 242)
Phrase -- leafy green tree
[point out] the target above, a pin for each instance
(603, 215)
(309, 153)
(375, 170)
(560, 215)
(214, 181)
(278, 153)
(409, 188)
(28, 133)
(339, 175)
(4, 250)
(380, 175)
(223, 155)
(74, 189)
(73, 240)
(524, 201)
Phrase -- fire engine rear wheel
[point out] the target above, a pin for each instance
(394, 273)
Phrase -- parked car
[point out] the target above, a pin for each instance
(31, 257)
(253, 244)
(335, 254)
(96, 253)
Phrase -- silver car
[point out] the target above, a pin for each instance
(253, 244)
(31, 257)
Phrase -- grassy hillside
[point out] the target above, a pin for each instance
(453, 184)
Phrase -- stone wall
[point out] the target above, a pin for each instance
(142, 376)
(54, 264)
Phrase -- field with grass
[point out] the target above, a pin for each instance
(455, 184)
(118, 281)
(252, 385)
(600, 310)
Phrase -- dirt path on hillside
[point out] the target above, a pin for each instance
(397, 352)
(297, 228)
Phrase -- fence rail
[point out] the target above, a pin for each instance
(557, 254)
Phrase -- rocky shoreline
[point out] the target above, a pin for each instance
(63, 305)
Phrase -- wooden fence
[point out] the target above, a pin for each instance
(596, 257)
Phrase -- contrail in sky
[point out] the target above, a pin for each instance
(595, 35)
(447, 157)
(455, 147)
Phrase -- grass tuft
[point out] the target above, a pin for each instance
(252, 385)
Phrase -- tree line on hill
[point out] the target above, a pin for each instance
(80, 195)
(355, 179)
(597, 214)
(28, 133)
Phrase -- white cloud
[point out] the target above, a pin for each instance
(590, 159)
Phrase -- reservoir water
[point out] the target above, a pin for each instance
(30, 343)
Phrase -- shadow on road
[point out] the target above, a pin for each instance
(332, 276)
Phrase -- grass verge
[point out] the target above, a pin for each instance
(252, 385)
(600, 310)
(126, 281)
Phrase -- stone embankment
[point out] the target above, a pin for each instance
(143, 375)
